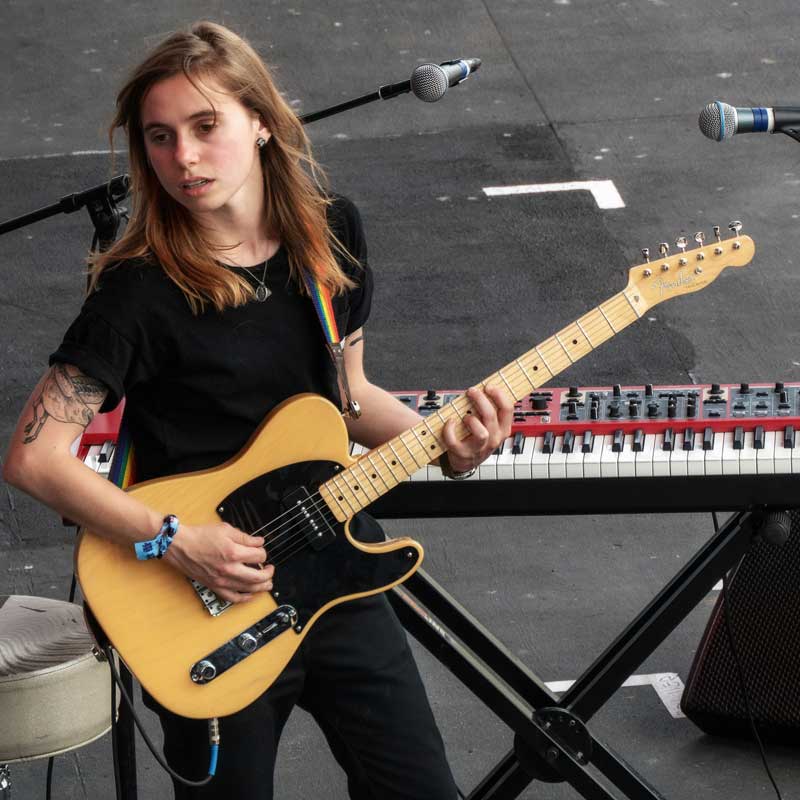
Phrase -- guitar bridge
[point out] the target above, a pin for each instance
(243, 645)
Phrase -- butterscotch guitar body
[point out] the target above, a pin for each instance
(168, 632)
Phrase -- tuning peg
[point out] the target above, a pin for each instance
(716, 233)
(681, 243)
(663, 248)
(646, 253)
(735, 226)
(700, 237)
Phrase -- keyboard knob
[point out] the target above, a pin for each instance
(778, 387)
(594, 412)
(672, 410)
(648, 390)
(784, 396)
(633, 408)
(616, 390)
(691, 410)
(715, 388)
(652, 409)
(744, 388)
(613, 410)
(573, 391)
(540, 404)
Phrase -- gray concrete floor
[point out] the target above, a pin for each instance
(568, 90)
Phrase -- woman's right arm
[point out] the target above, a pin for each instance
(39, 462)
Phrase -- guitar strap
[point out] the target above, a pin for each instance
(321, 297)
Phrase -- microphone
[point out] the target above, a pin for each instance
(720, 121)
(429, 82)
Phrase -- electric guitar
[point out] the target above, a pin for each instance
(295, 483)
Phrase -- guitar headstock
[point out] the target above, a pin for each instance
(686, 271)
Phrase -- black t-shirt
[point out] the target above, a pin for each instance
(196, 387)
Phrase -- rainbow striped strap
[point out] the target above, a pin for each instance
(323, 305)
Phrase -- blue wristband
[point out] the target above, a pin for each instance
(155, 548)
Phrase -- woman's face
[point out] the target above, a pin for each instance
(185, 144)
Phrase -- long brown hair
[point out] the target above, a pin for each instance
(162, 230)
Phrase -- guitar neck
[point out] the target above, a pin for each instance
(391, 463)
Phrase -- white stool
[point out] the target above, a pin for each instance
(54, 693)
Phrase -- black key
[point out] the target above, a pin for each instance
(588, 442)
(619, 438)
(549, 442)
(669, 439)
(708, 439)
(569, 442)
(499, 448)
(638, 440)
(518, 443)
(738, 438)
(688, 439)
(788, 437)
(758, 437)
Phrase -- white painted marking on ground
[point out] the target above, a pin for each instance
(604, 192)
(668, 686)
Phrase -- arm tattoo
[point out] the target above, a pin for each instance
(356, 341)
(65, 398)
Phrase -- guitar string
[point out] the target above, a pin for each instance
(279, 536)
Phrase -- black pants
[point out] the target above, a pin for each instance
(355, 674)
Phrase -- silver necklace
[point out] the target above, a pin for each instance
(262, 293)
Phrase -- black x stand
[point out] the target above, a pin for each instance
(552, 742)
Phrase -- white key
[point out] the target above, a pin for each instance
(626, 463)
(487, 471)
(714, 456)
(644, 458)
(765, 458)
(608, 458)
(558, 460)
(678, 458)
(747, 455)
(540, 460)
(660, 456)
(591, 460)
(92, 456)
(522, 461)
(505, 461)
(783, 455)
(730, 457)
(575, 458)
(696, 458)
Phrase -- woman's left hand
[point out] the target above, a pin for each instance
(489, 425)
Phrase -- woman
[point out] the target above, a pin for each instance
(198, 315)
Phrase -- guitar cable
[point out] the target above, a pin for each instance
(213, 732)
(728, 578)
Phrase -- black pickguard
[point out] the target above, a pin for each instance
(322, 567)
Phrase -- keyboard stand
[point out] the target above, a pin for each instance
(551, 740)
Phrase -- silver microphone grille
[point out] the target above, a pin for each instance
(429, 82)
(718, 121)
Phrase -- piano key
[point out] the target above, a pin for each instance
(547, 443)
(714, 456)
(765, 455)
(677, 459)
(660, 456)
(487, 470)
(541, 459)
(758, 437)
(608, 458)
(591, 459)
(747, 455)
(626, 463)
(738, 437)
(688, 439)
(644, 457)
(518, 443)
(92, 456)
(575, 459)
(638, 440)
(505, 461)
(696, 457)
(558, 459)
(106, 450)
(788, 437)
(783, 454)
(522, 462)
(730, 454)
(588, 442)
(569, 441)
(708, 439)
(668, 440)
(619, 439)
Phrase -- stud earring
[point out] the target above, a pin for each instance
(261, 142)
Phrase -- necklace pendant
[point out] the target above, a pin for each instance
(262, 293)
